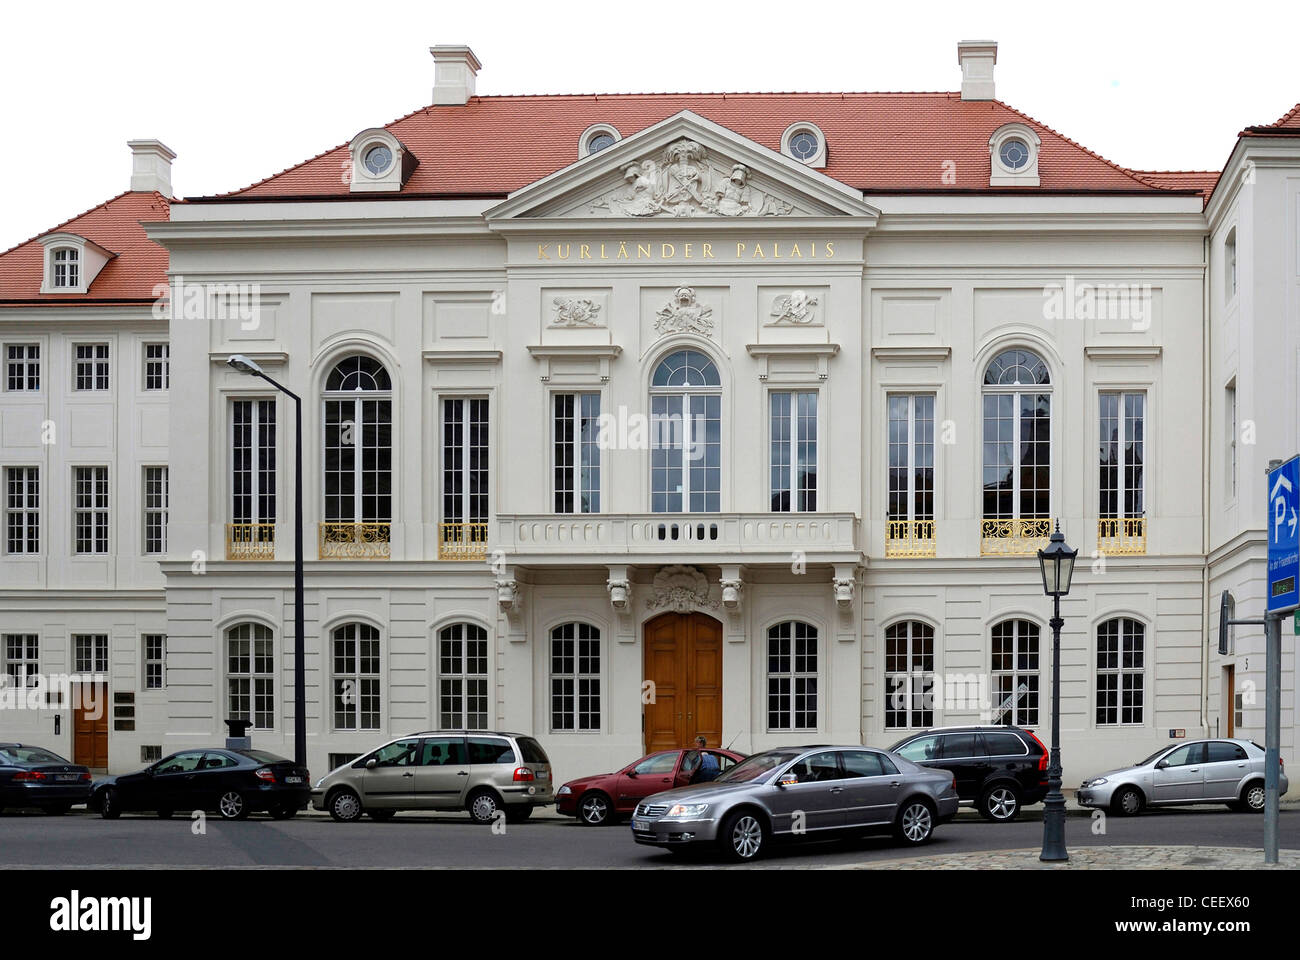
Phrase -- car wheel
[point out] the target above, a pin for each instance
(743, 836)
(345, 807)
(594, 809)
(483, 806)
(284, 812)
(108, 805)
(1253, 798)
(519, 814)
(1128, 802)
(58, 809)
(164, 814)
(915, 822)
(232, 805)
(382, 814)
(1000, 803)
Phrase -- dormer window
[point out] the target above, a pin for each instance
(597, 137)
(806, 143)
(380, 163)
(67, 262)
(71, 263)
(1013, 156)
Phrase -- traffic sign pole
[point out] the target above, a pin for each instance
(1281, 598)
(1272, 732)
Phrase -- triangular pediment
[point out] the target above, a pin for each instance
(684, 167)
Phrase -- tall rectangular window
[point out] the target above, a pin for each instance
(792, 461)
(1230, 263)
(23, 367)
(465, 461)
(792, 676)
(157, 366)
(67, 263)
(250, 670)
(1121, 671)
(155, 660)
(252, 461)
(22, 659)
(1122, 432)
(90, 653)
(909, 675)
(576, 424)
(358, 460)
(575, 677)
(463, 677)
(356, 677)
(686, 453)
(91, 371)
(155, 509)
(23, 509)
(90, 510)
(1230, 410)
(911, 457)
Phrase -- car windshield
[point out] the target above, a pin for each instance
(1143, 763)
(757, 766)
(29, 755)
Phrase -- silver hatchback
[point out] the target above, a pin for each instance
(486, 773)
(1201, 771)
(799, 792)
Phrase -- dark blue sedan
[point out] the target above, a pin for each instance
(36, 777)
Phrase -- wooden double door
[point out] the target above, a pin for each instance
(683, 667)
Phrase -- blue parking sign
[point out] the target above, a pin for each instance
(1283, 542)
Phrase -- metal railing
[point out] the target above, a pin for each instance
(250, 541)
(1120, 535)
(910, 538)
(355, 541)
(462, 541)
(1013, 537)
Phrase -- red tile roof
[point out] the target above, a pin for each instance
(129, 276)
(1288, 123)
(877, 142)
(1202, 181)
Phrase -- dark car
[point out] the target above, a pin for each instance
(36, 777)
(234, 783)
(998, 769)
(604, 797)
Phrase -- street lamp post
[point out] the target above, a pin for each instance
(1056, 561)
(245, 365)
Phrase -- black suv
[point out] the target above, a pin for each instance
(999, 769)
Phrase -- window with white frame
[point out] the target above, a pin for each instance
(23, 510)
(22, 367)
(1230, 461)
(250, 674)
(156, 497)
(91, 372)
(1230, 264)
(1122, 453)
(792, 467)
(576, 425)
(22, 659)
(358, 442)
(90, 510)
(463, 677)
(792, 676)
(1121, 671)
(575, 677)
(252, 461)
(909, 675)
(1017, 437)
(157, 366)
(465, 468)
(911, 457)
(1015, 673)
(154, 646)
(66, 268)
(686, 435)
(90, 653)
(356, 676)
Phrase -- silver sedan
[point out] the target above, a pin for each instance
(1201, 771)
(799, 792)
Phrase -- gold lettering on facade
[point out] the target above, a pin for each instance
(643, 251)
(830, 249)
(708, 251)
(758, 252)
(796, 252)
(692, 250)
(602, 252)
(562, 250)
(740, 250)
(622, 250)
(584, 251)
(667, 251)
(686, 251)
(541, 251)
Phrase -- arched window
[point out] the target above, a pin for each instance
(250, 674)
(792, 676)
(355, 651)
(909, 675)
(1121, 672)
(463, 677)
(1015, 673)
(575, 677)
(686, 435)
(358, 417)
(1017, 452)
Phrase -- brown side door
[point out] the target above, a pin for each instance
(683, 661)
(90, 725)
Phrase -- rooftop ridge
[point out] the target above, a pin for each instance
(55, 229)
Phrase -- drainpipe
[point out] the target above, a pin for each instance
(1205, 486)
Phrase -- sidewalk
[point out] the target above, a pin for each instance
(1096, 858)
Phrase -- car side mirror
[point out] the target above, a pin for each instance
(632, 774)
(1161, 764)
(371, 764)
(787, 780)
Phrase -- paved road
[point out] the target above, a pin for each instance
(410, 841)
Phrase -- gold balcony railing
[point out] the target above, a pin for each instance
(354, 541)
(1007, 537)
(250, 541)
(909, 538)
(1119, 535)
(462, 541)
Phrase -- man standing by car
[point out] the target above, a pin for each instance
(708, 769)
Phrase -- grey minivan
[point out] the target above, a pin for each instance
(484, 772)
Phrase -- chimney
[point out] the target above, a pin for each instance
(977, 58)
(454, 70)
(151, 167)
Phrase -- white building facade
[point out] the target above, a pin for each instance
(721, 424)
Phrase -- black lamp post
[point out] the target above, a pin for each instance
(245, 365)
(1057, 563)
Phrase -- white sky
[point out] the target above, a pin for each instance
(243, 89)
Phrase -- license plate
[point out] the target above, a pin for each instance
(640, 824)
(542, 774)
(293, 779)
(67, 777)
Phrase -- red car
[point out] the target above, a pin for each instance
(601, 799)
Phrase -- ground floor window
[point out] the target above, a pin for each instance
(22, 659)
(463, 677)
(250, 666)
(909, 675)
(1015, 673)
(356, 677)
(575, 677)
(90, 652)
(155, 660)
(792, 676)
(1121, 671)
